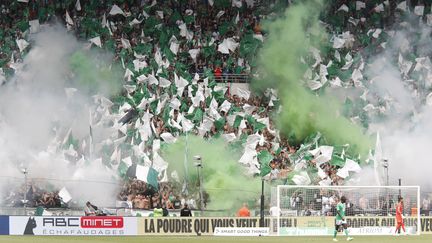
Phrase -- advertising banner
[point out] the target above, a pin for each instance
(116, 226)
(4, 225)
(322, 226)
(104, 226)
(192, 225)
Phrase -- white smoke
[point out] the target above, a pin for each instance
(35, 116)
(405, 132)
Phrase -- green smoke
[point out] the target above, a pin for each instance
(224, 179)
(95, 74)
(303, 113)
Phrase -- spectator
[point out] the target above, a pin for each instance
(177, 203)
(308, 211)
(158, 211)
(275, 211)
(90, 209)
(363, 203)
(426, 203)
(274, 173)
(165, 212)
(318, 201)
(243, 211)
(218, 73)
(185, 211)
(298, 202)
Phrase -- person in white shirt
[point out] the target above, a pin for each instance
(275, 211)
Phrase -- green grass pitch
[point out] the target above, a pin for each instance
(208, 239)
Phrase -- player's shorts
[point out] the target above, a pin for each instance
(340, 222)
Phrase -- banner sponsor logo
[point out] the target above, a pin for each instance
(102, 222)
(72, 225)
(224, 231)
(59, 222)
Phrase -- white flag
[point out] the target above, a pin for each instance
(168, 137)
(174, 46)
(360, 5)
(302, 178)
(338, 42)
(116, 10)
(379, 8)
(402, 6)
(250, 3)
(34, 26)
(69, 19)
(418, 10)
(22, 44)
(343, 8)
(429, 19)
(125, 43)
(78, 5)
(194, 53)
(236, 3)
(128, 75)
(227, 45)
(163, 82)
(96, 40)
(135, 22)
(219, 14)
(104, 22)
(65, 195)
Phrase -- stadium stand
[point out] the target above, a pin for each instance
(181, 61)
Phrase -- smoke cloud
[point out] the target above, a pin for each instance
(45, 99)
(224, 179)
(404, 85)
(303, 113)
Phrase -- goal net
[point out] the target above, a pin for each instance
(370, 210)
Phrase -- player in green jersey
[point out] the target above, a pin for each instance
(340, 219)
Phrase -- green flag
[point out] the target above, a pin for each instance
(264, 158)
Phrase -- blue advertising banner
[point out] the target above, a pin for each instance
(4, 225)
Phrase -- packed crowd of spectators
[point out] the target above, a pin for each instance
(186, 33)
(139, 195)
(167, 37)
(162, 45)
(35, 196)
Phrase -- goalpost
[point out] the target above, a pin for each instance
(370, 210)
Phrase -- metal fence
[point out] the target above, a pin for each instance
(230, 78)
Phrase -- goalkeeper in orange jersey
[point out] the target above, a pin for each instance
(399, 216)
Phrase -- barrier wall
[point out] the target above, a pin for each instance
(193, 225)
(189, 226)
(4, 225)
(322, 226)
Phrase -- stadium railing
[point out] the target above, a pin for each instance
(230, 78)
